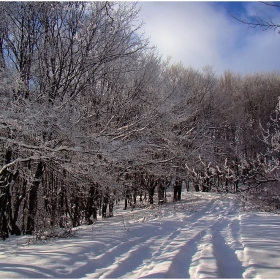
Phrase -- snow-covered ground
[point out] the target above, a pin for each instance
(203, 236)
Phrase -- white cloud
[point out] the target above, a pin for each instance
(199, 34)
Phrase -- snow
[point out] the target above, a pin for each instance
(203, 236)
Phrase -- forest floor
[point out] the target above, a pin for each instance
(206, 235)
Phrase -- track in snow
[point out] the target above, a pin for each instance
(204, 236)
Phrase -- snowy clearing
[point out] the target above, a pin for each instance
(203, 236)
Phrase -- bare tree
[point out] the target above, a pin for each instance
(65, 60)
(261, 22)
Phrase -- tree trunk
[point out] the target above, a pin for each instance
(12, 215)
(15, 228)
(90, 207)
(32, 209)
(4, 196)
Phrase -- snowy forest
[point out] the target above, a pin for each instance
(92, 116)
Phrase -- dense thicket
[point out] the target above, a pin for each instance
(90, 115)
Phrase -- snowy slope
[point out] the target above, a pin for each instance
(204, 236)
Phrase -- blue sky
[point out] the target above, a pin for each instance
(204, 33)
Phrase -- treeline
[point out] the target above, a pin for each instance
(90, 115)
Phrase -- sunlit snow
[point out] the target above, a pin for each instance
(203, 236)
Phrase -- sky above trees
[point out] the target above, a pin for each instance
(205, 33)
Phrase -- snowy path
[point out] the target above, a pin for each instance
(204, 236)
